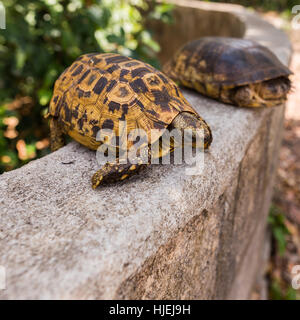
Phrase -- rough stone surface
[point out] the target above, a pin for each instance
(162, 234)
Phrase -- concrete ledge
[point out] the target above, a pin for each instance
(161, 235)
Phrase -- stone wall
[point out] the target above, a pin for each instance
(190, 24)
(162, 234)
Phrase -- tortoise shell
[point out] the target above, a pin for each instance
(99, 90)
(225, 61)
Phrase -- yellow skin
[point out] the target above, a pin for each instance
(98, 91)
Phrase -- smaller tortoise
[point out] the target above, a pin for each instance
(234, 71)
(98, 91)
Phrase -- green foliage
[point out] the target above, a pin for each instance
(276, 221)
(278, 293)
(41, 39)
(276, 5)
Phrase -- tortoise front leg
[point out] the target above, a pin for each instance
(113, 172)
(56, 135)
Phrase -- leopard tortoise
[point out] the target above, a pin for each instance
(99, 90)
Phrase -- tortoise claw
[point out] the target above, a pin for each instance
(96, 180)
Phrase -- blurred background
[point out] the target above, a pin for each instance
(43, 37)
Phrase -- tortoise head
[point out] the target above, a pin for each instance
(194, 129)
(267, 93)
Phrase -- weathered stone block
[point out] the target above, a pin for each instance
(162, 234)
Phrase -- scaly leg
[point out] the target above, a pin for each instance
(56, 135)
(119, 171)
(113, 172)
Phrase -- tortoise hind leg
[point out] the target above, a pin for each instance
(113, 172)
(56, 135)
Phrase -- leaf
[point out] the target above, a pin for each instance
(44, 96)
(276, 220)
(279, 235)
(20, 58)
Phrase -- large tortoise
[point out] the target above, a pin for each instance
(99, 90)
(236, 71)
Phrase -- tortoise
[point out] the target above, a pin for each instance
(235, 71)
(98, 91)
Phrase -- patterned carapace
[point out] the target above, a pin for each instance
(98, 91)
(236, 71)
